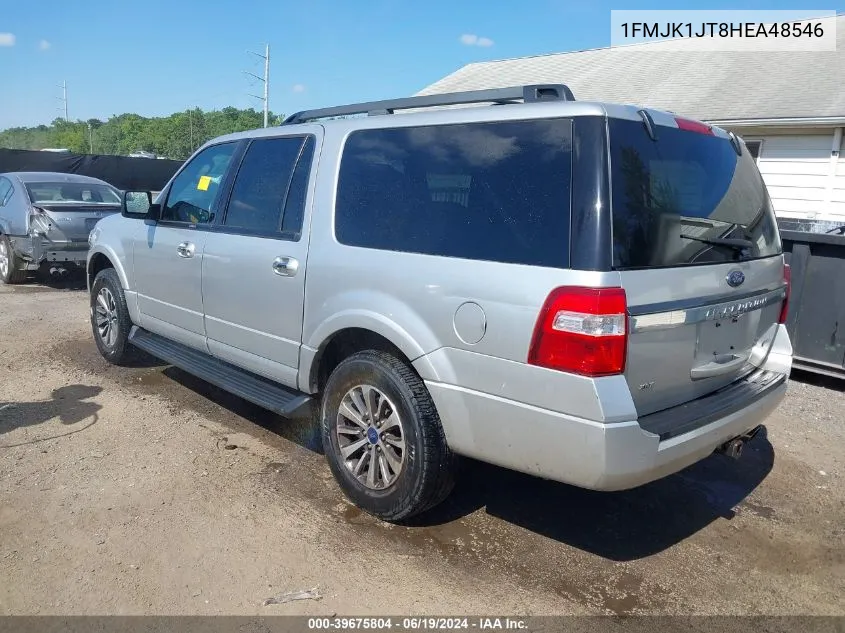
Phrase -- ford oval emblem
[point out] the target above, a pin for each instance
(735, 278)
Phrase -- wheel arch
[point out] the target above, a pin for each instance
(101, 258)
(342, 344)
(344, 340)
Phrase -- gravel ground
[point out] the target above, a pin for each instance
(143, 490)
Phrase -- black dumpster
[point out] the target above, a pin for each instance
(816, 319)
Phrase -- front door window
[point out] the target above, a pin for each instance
(197, 186)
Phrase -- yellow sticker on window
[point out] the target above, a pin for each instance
(202, 185)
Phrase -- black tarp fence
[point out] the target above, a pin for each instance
(144, 174)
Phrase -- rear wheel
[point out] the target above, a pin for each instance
(10, 263)
(383, 438)
(110, 320)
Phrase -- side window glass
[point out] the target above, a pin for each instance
(195, 188)
(5, 191)
(295, 205)
(485, 191)
(261, 186)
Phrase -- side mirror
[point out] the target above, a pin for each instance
(139, 205)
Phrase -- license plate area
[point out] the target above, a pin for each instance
(90, 223)
(725, 336)
(722, 346)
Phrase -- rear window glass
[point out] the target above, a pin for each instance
(75, 192)
(676, 197)
(488, 191)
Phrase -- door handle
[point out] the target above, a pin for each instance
(722, 365)
(285, 266)
(185, 249)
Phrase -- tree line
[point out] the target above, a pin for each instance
(175, 136)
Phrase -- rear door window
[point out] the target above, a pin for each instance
(685, 198)
(261, 194)
(487, 191)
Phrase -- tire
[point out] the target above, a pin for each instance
(10, 272)
(108, 302)
(427, 465)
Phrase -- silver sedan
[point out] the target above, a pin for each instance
(45, 220)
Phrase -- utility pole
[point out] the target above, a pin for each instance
(266, 83)
(191, 125)
(63, 98)
(265, 79)
(91, 136)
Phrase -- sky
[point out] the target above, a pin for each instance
(156, 57)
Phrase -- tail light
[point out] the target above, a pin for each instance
(787, 277)
(582, 331)
(39, 223)
(693, 126)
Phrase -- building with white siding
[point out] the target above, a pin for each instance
(789, 106)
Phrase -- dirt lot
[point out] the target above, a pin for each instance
(143, 490)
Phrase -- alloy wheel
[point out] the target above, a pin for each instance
(4, 259)
(105, 313)
(371, 437)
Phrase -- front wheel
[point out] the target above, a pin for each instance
(383, 438)
(110, 320)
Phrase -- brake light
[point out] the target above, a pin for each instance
(39, 222)
(693, 126)
(582, 331)
(787, 277)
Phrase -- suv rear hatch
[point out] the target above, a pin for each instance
(697, 246)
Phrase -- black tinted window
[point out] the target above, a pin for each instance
(261, 186)
(491, 191)
(195, 189)
(295, 206)
(685, 187)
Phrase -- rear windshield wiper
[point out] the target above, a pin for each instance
(731, 242)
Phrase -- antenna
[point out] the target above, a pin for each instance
(265, 79)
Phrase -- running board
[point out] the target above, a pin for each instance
(244, 384)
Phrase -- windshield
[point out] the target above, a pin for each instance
(685, 198)
(72, 192)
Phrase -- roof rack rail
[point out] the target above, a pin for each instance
(527, 94)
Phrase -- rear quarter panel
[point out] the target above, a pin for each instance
(412, 300)
(14, 216)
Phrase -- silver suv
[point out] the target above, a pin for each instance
(587, 292)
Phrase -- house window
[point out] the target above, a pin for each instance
(755, 147)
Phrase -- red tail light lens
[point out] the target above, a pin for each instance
(693, 126)
(787, 277)
(583, 331)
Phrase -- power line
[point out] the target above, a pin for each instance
(265, 79)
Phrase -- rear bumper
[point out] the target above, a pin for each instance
(576, 451)
(36, 250)
(597, 455)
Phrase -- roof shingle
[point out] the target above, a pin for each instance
(705, 84)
